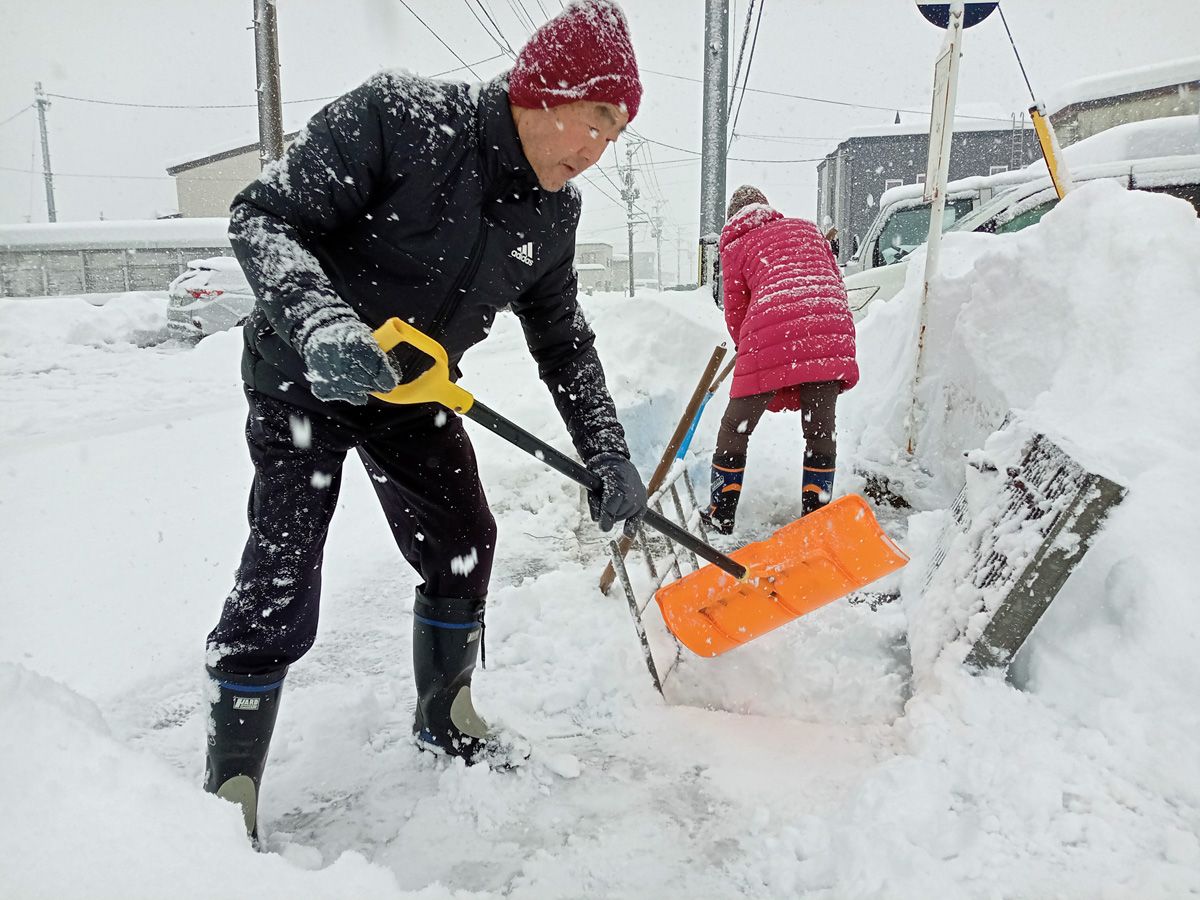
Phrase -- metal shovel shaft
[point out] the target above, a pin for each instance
(514, 434)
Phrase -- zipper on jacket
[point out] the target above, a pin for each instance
(450, 305)
(414, 361)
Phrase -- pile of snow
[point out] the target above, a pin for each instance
(1081, 326)
(1170, 136)
(817, 761)
(136, 319)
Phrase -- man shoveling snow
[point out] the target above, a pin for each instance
(440, 204)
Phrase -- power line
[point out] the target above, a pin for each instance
(601, 190)
(123, 177)
(730, 159)
(519, 11)
(132, 105)
(741, 51)
(100, 102)
(501, 41)
(746, 81)
(608, 177)
(890, 109)
(786, 138)
(23, 109)
(440, 41)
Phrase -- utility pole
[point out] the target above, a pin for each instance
(630, 193)
(266, 56)
(679, 258)
(713, 142)
(656, 227)
(42, 105)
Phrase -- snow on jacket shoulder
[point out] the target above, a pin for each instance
(413, 198)
(785, 306)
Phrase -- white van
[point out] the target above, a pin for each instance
(903, 220)
(1024, 205)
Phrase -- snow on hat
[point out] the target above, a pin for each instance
(583, 53)
(743, 197)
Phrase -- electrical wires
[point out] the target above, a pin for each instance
(23, 109)
(746, 80)
(440, 41)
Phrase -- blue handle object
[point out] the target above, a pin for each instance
(691, 432)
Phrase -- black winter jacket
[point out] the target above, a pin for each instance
(409, 197)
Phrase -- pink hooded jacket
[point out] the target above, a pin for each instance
(785, 306)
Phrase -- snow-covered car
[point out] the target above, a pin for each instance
(1024, 205)
(212, 295)
(903, 221)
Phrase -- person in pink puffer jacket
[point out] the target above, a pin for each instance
(786, 310)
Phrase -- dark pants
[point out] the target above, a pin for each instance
(818, 407)
(424, 472)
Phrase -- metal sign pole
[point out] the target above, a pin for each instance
(937, 174)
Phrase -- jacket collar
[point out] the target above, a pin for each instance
(747, 219)
(505, 169)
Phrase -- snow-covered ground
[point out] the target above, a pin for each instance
(823, 760)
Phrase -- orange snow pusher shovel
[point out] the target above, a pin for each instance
(802, 566)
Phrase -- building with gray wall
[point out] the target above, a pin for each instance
(593, 263)
(852, 178)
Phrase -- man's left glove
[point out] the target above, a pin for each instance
(345, 362)
(621, 497)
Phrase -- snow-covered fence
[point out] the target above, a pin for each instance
(104, 257)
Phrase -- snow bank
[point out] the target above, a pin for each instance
(844, 756)
(87, 810)
(137, 318)
(1082, 326)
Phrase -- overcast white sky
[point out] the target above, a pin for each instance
(110, 160)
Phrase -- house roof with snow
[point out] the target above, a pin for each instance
(1130, 81)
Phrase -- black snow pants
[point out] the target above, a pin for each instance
(424, 471)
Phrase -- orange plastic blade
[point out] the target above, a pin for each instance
(801, 567)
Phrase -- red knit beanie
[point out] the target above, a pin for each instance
(583, 53)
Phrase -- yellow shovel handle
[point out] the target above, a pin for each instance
(433, 385)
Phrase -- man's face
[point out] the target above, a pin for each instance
(563, 141)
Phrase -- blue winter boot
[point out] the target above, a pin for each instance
(725, 487)
(817, 488)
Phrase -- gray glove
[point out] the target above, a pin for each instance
(622, 496)
(344, 362)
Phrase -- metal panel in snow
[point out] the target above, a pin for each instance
(1034, 527)
(1065, 504)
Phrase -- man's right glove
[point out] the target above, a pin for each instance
(344, 362)
(622, 495)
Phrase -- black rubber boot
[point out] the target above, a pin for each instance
(241, 720)
(447, 637)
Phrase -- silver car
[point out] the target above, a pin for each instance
(212, 295)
